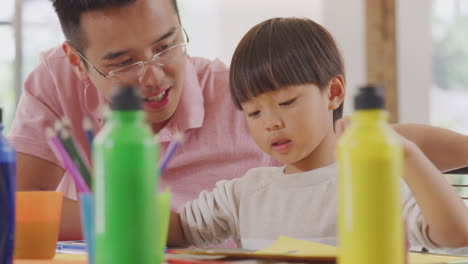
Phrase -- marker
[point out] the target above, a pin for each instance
(71, 246)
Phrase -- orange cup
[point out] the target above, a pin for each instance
(37, 224)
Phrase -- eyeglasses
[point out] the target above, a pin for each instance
(166, 57)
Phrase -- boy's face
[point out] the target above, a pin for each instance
(294, 125)
(119, 37)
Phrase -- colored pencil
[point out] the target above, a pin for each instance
(171, 149)
(70, 146)
(60, 151)
(88, 129)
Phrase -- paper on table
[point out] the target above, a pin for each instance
(295, 247)
(421, 258)
(286, 248)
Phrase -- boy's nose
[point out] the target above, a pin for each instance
(151, 76)
(273, 123)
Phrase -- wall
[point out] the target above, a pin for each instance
(346, 22)
(414, 60)
(216, 26)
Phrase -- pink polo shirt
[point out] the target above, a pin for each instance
(217, 143)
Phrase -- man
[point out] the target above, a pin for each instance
(114, 41)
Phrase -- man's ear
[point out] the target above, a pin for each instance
(336, 92)
(75, 61)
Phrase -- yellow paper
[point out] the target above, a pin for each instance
(298, 248)
(420, 258)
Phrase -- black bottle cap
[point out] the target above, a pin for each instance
(1, 116)
(126, 98)
(369, 97)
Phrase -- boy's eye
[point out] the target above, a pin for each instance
(288, 102)
(254, 114)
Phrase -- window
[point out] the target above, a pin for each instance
(7, 60)
(40, 31)
(26, 30)
(449, 93)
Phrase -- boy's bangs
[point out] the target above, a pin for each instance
(258, 76)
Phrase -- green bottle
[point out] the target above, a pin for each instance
(125, 158)
(370, 159)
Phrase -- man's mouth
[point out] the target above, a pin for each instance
(156, 98)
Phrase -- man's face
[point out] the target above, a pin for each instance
(119, 37)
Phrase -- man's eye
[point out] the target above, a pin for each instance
(123, 63)
(288, 102)
(161, 48)
(254, 114)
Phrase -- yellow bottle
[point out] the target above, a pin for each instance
(370, 160)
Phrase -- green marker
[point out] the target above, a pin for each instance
(125, 182)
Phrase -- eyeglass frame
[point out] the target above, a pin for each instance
(111, 74)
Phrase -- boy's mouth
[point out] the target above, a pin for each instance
(277, 143)
(281, 145)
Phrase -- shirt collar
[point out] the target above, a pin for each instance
(190, 111)
(94, 103)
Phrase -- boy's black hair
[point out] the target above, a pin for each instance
(281, 52)
(69, 13)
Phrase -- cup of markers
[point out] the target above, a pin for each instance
(78, 167)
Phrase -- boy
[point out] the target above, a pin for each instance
(287, 76)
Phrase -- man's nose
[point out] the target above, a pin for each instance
(151, 76)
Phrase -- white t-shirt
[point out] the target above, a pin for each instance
(256, 209)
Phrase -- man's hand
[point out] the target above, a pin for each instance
(176, 237)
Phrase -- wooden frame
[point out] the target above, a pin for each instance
(382, 50)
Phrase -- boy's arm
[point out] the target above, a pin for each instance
(446, 149)
(445, 213)
(176, 237)
(210, 219)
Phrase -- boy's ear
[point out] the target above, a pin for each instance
(75, 61)
(336, 92)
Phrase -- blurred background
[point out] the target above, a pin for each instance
(432, 47)
(432, 57)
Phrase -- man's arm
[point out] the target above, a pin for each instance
(445, 213)
(176, 237)
(36, 174)
(446, 149)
